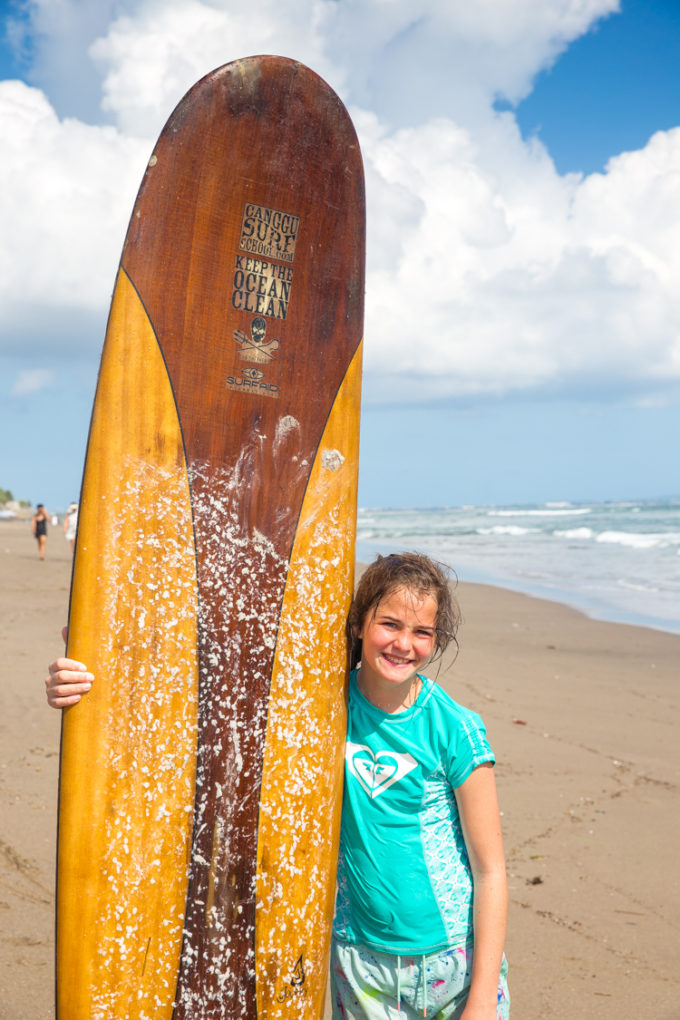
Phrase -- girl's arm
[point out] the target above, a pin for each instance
(480, 817)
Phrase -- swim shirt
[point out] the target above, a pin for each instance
(404, 878)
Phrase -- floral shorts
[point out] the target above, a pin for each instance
(368, 985)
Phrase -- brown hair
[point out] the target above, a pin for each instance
(419, 575)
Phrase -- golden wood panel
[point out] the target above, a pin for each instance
(301, 794)
(128, 757)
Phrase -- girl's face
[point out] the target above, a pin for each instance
(398, 638)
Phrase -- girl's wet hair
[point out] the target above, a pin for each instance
(419, 575)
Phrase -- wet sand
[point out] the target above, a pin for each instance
(583, 717)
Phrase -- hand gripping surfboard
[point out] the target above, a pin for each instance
(200, 780)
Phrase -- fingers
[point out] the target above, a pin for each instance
(66, 682)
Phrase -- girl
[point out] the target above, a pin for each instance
(422, 892)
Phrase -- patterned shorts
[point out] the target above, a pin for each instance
(368, 985)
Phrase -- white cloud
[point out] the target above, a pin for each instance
(488, 272)
(398, 57)
(66, 192)
(31, 381)
(149, 60)
(507, 276)
(451, 57)
(56, 35)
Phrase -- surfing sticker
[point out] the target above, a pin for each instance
(269, 232)
(256, 347)
(252, 380)
(262, 287)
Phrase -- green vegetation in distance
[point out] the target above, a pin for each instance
(7, 497)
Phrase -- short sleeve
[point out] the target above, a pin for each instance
(468, 749)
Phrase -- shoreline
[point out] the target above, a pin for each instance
(583, 717)
(578, 600)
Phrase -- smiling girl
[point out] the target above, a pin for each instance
(422, 891)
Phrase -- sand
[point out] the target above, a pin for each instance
(583, 717)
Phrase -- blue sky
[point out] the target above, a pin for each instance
(523, 318)
(610, 90)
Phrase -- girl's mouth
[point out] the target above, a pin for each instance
(395, 660)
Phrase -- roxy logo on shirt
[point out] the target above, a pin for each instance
(377, 770)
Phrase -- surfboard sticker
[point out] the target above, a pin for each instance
(200, 779)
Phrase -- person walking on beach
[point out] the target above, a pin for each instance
(70, 524)
(39, 524)
(422, 890)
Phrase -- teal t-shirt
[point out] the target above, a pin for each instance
(404, 879)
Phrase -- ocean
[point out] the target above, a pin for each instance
(613, 561)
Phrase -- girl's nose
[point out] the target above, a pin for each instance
(402, 640)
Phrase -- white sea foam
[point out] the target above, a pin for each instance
(508, 529)
(640, 540)
(546, 512)
(633, 586)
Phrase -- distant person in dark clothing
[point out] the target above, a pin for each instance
(40, 529)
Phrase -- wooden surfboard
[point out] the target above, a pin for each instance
(200, 780)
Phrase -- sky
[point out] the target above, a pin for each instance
(522, 164)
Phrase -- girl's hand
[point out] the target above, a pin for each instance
(66, 681)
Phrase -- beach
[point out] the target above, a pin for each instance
(583, 717)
